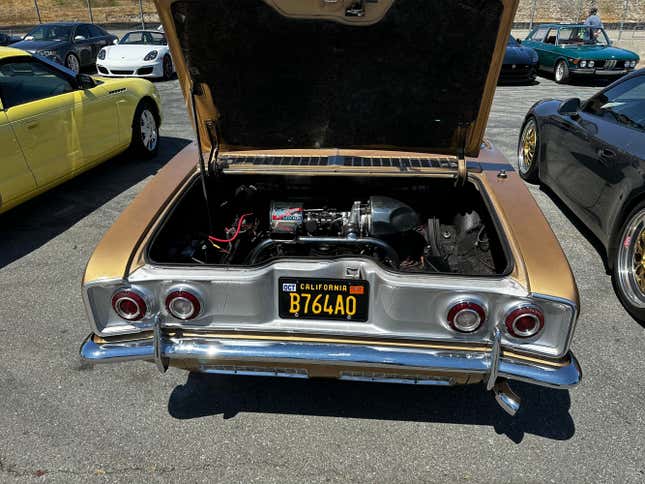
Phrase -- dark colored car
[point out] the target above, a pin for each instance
(581, 50)
(592, 155)
(75, 45)
(520, 63)
(6, 39)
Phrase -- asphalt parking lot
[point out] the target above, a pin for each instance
(63, 421)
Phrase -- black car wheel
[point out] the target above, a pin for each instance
(629, 263)
(528, 148)
(167, 67)
(145, 131)
(561, 73)
(72, 63)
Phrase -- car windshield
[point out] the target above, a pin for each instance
(143, 38)
(571, 36)
(50, 32)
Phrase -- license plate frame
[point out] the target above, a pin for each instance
(317, 289)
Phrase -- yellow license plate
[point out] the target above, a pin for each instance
(334, 299)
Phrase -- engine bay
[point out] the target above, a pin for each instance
(426, 226)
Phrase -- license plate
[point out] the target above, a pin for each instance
(335, 299)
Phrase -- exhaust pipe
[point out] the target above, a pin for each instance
(506, 398)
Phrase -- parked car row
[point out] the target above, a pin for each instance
(140, 53)
(565, 51)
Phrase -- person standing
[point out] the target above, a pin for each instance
(593, 19)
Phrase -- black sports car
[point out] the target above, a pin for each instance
(592, 155)
(75, 45)
(520, 63)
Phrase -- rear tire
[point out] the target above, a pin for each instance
(145, 130)
(628, 268)
(528, 149)
(561, 73)
(167, 68)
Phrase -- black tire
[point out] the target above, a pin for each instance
(167, 68)
(627, 263)
(72, 62)
(527, 168)
(561, 72)
(145, 130)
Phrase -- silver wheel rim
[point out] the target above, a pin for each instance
(72, 63)
(559, 71)
(148, 130)
(527, 147)
(631, 261)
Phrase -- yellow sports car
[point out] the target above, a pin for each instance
(55, 124)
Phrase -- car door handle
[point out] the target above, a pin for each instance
(32, 126)
(606, 153)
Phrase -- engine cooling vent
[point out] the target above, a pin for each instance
(402, 163)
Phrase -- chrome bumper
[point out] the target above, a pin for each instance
(355, 361)
(601, 72)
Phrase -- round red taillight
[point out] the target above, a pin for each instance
(525, 322)
(183, 305)
(129, 305)
(466, 316)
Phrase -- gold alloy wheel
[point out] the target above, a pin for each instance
(528, 147)
(639, 261)
(631, 261)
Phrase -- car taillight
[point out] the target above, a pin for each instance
(466, 316)
(129, 305)
(525, 322)
(183, 305)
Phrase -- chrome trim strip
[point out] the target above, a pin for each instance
(209, 353)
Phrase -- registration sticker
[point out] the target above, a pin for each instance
(288, 287)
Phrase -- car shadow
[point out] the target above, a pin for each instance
(544, 411)
(534, 82)
(27, 227)
(583, 81)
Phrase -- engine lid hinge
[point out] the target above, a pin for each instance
(462, 170)
(215, 166)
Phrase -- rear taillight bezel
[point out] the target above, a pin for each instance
(514, 316)
(130, 295)
(466, 306)
(184, 294)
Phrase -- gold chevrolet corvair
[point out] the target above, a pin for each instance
(340, 214)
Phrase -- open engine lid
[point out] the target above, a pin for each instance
(405, 75)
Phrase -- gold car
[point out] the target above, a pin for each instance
(55, 124)
(340, 215)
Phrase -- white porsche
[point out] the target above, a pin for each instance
(140, 53)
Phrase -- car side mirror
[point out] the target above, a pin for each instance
(79, 37)
(85, 81)
(115, 41)
(519, 41)
(570, 107)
